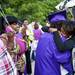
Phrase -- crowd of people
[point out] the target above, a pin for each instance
(15, 46)
(50, 47)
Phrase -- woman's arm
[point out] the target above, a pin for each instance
(67, 45)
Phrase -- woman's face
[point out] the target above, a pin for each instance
(24, 25)
(15, 26)
(36, 26)
(23, 31)
(26, 22)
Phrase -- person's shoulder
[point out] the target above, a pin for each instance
(47, 35)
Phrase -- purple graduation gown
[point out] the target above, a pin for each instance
(48, 57)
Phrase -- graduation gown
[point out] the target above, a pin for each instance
(48, 57)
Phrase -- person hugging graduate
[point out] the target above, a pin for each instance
(69, 44)
(68, 28)
(48, 56)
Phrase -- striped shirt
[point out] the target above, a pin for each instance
(7, 66)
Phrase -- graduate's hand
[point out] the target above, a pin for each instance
(52, 29)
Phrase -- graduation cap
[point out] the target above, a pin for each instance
(57, 16)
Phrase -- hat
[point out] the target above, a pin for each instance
(57, 16)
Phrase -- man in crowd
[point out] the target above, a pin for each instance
(48, 56)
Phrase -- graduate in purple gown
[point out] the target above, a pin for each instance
(49, 58)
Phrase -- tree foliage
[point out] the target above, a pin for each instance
(29, 9)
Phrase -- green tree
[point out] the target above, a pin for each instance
(29, 9)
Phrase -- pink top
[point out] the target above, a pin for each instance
(22, 44)
(37, 34)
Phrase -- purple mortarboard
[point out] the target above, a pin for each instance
(57, 16)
